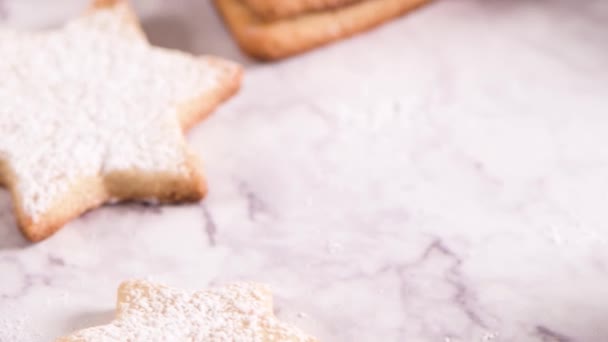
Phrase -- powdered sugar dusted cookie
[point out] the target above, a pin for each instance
(274, 39)
(149, 312)
(92, 112)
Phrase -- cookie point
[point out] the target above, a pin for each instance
(32, 232)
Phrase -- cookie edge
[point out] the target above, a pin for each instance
(271, 10)
(269, 41)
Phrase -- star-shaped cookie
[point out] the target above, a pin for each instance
(148, 312)
(92, 113)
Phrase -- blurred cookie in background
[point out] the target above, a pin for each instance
(273, 29)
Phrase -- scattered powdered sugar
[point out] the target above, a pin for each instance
(17, 329)
(90, 99)
(148, 312)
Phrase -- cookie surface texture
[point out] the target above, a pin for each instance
(269, 40)
(91, 113)
(150, 312)
(281, 9)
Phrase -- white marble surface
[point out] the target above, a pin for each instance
(443, 178)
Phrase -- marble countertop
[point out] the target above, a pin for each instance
(443, 178)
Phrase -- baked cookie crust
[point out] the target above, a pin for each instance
(271, 40)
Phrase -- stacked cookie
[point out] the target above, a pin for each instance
(273, 29)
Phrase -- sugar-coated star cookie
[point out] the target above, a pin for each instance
(149, 312)
(92, 113)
